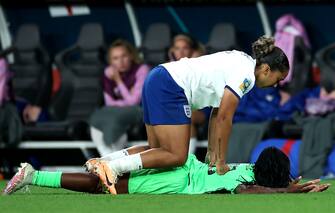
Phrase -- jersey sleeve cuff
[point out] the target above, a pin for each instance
(233, 91)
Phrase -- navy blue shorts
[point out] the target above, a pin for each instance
(163, 100)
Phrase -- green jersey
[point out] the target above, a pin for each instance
(192, 178)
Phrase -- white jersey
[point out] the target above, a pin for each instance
(205, 78)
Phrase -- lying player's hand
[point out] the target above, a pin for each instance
(320, 187)
(221, 167)
(296, 187)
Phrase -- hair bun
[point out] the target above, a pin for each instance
(263, 46)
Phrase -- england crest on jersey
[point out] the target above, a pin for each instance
(188, 111)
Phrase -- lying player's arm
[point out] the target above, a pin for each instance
(255, 189)
(223, 126)
(310, 186)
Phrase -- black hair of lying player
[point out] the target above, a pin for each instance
(272, 169)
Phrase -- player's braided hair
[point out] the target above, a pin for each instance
(272, 169)
(266, 52)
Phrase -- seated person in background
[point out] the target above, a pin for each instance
(327, 95)
(31, 113)
(122, 82)
(270, 174)
(28, 112)
(313, 101)
(183, 46)
(323, 94)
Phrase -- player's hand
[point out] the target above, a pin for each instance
(109, 72)
(320, 187)
(117, 77)
(296, 187)
(211, 160)
(31, 113)
(221, 167)
(209, 156)
(113, 73)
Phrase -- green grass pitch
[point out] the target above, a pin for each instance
(58, 200)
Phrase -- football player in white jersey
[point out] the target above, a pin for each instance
(172, 90)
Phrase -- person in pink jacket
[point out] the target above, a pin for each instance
(122, 82)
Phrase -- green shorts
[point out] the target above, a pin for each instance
(159, 181)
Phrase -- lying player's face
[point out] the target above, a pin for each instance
(268, 78)
(181, 49)
(120, 58)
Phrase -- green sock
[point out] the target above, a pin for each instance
(49, 179)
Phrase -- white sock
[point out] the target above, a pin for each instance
(115, 155)
(193, 146)
(126, 164)
(98, 139)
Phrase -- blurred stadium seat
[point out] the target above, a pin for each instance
(326, 61)
(31, 69)
(81, 67)
(156, 42)
(80, 92)
(222, 37)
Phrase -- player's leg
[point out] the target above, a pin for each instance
(152, 141)
(122, 184)
(172, 151)
(81, 182)
(173, 147)
(27, 175)
(167, 114)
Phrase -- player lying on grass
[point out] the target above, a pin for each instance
(270, 174)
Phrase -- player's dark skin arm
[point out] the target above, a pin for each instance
(223, 128)
(86, 182)
(294, 187)
(255, 189)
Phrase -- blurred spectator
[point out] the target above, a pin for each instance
(4, 78)
(31, 113)
(266, 104)
(122, 82)
(185, 46)
(288, 27)
(182, 46)
(282, 102)
(10, 122)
